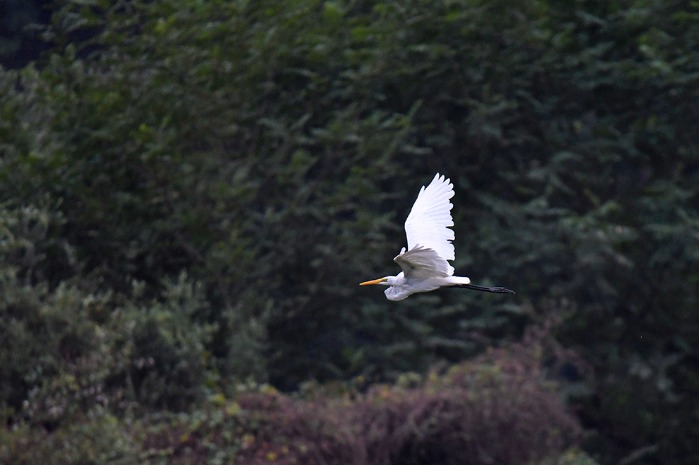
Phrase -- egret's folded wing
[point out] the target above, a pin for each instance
(429, 220)
(421, 262)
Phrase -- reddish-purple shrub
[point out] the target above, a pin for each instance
(500, 411)
(498, 408)
(288, 431)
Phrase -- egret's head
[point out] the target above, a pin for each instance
(378, 281)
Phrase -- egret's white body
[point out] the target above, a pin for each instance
(425, 264)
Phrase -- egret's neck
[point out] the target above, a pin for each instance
(394, 280)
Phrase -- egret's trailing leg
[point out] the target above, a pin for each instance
(489, 289)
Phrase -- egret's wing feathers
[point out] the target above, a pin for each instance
(429, 220)
(421, 262)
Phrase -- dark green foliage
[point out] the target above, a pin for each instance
(192, 190)
(20, 41)
(71, 348)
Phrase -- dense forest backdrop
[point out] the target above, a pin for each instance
(191, 190)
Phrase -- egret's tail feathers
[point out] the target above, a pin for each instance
(456, 281)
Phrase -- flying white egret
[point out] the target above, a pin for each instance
(424, 264)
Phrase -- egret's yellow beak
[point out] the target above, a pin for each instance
(374, 282)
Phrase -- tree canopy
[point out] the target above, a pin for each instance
(192, 190)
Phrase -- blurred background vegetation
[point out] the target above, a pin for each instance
(191, 190)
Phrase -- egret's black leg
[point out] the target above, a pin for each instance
(489, 289)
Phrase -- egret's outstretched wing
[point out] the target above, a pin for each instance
(421, 262)
(429, 220)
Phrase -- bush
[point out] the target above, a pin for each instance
(287, 431)
(497, 409)
(56, 351)
(500, 411)
(96, 438)
(72, 347)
